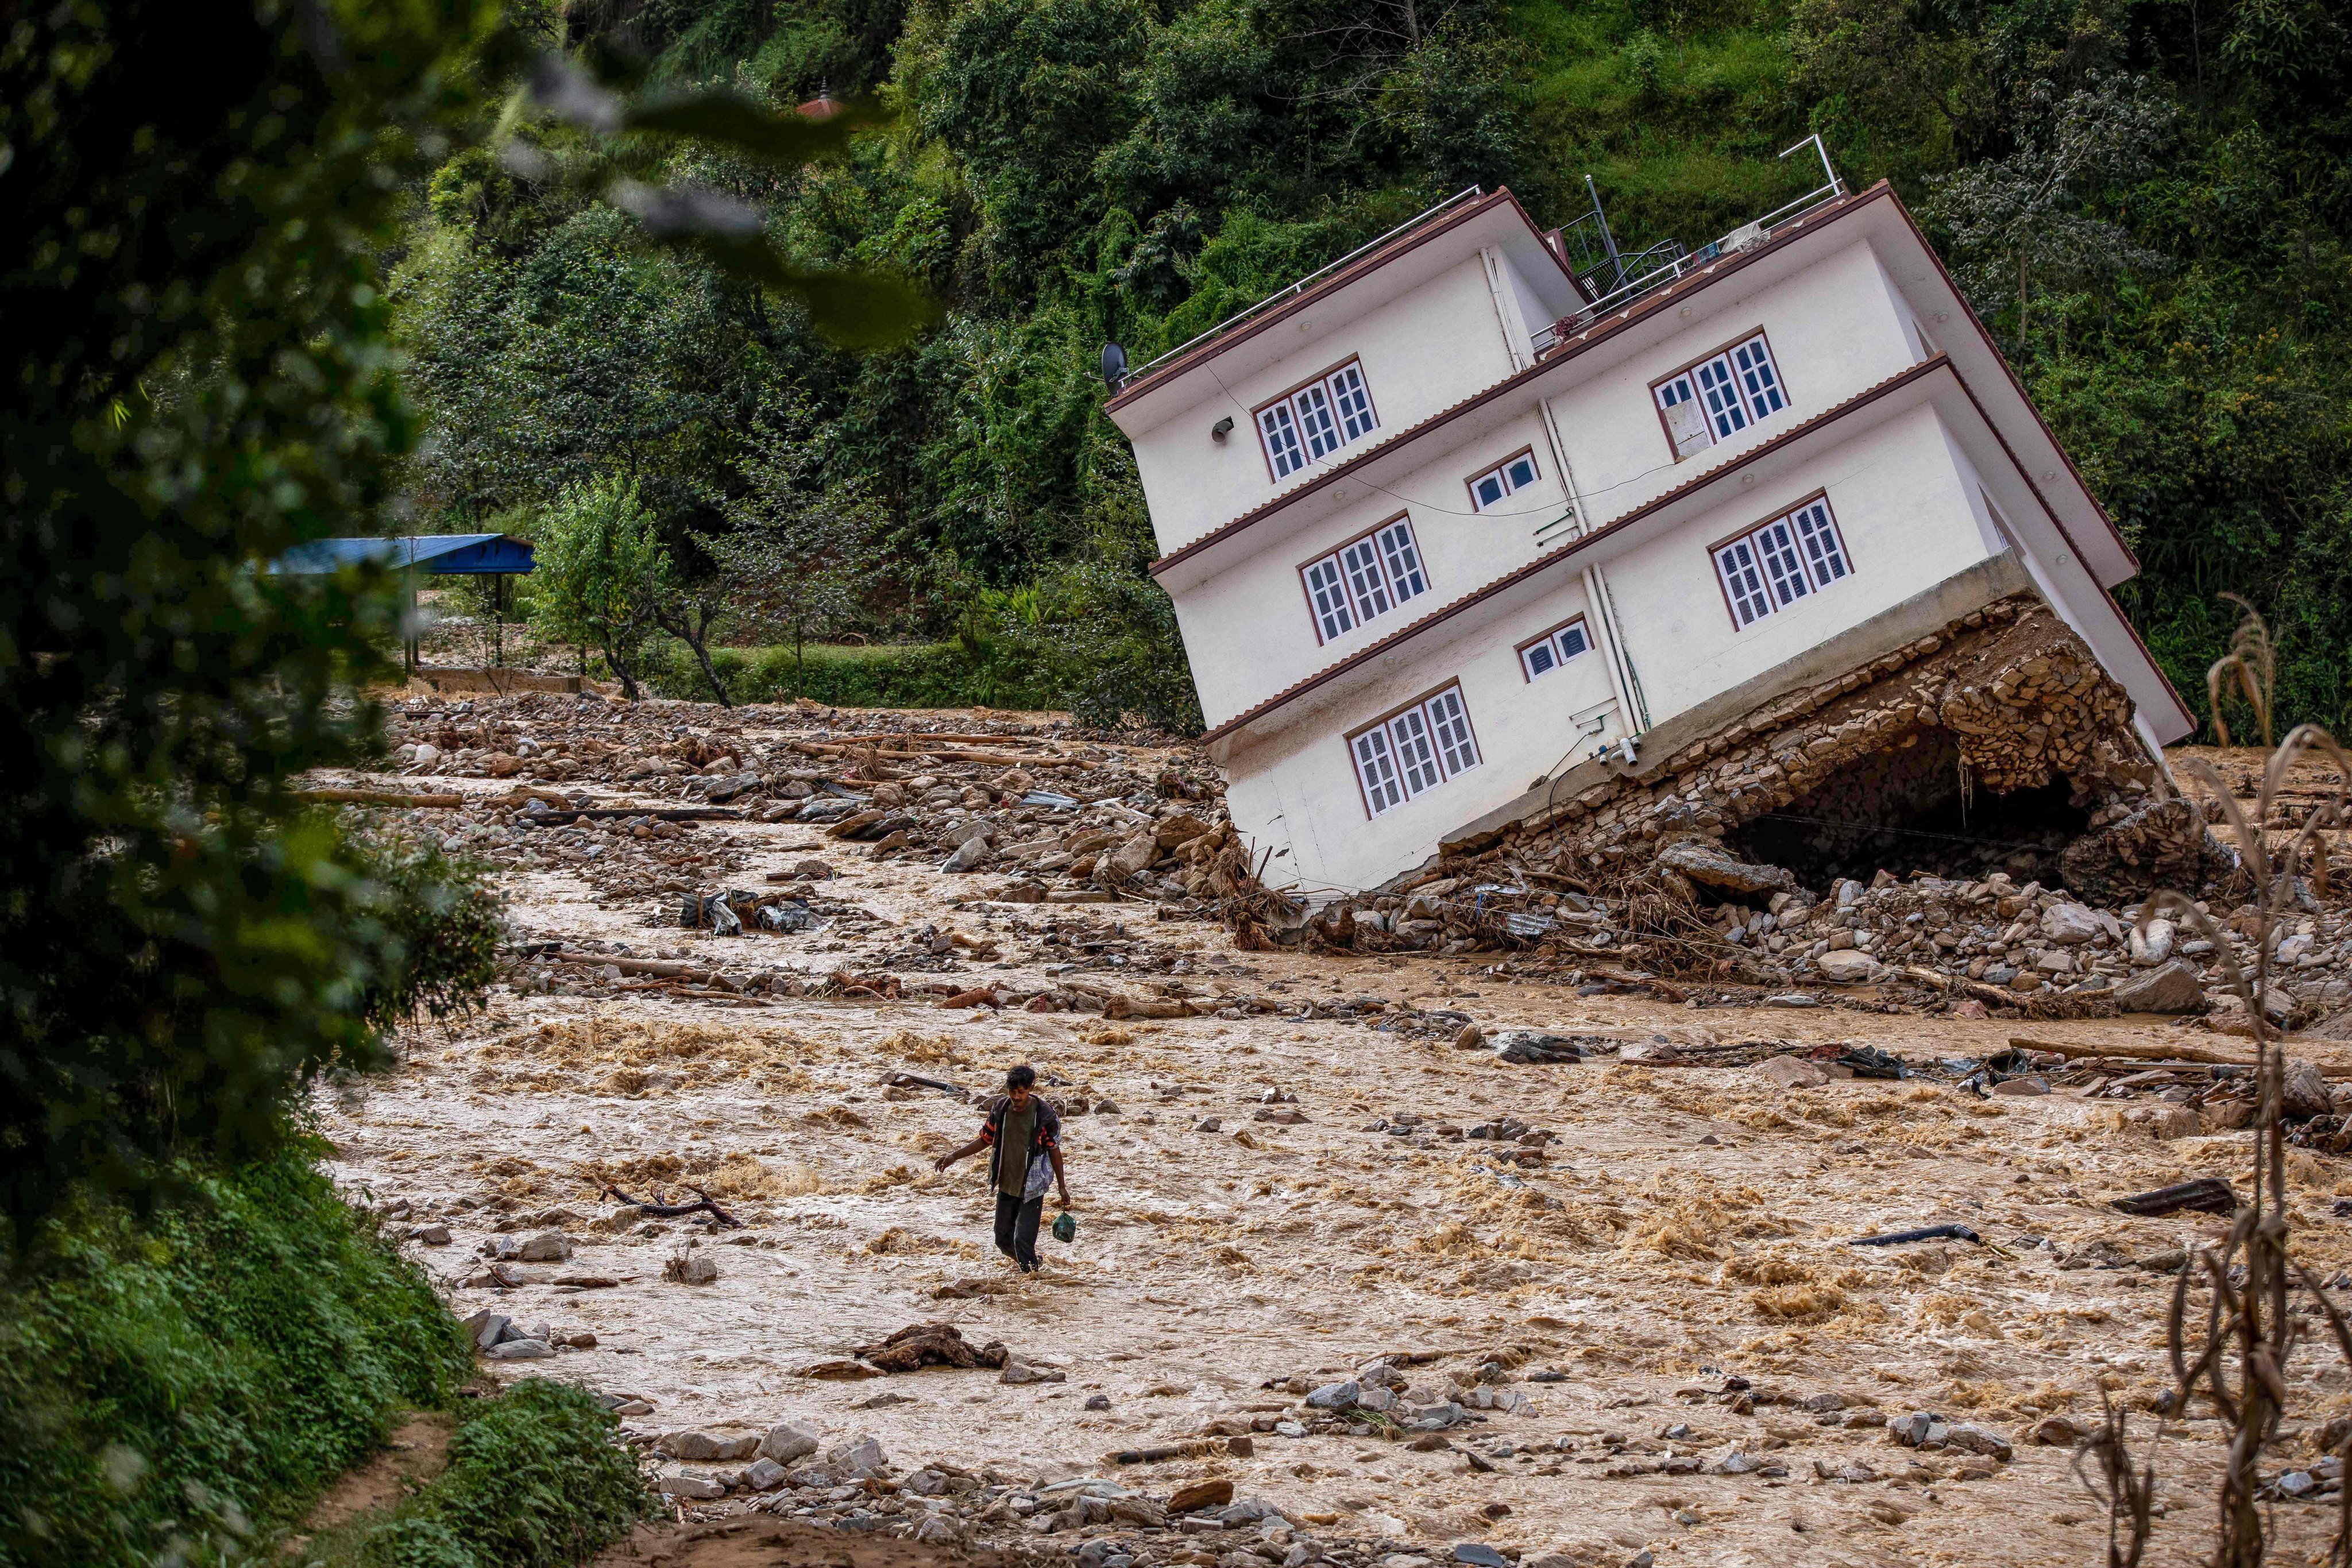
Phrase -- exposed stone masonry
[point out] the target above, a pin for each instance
(2006, 695)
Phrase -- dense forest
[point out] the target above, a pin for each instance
(2148, 200)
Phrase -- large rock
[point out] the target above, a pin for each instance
(1522, 1046)
(2152, 944)
(1849, 966)
(520, 1350)
(1178, 828)
(2173, 988)
(1792, 1072)
(1214, 1492)
(1134, 854)
(702, 1447)
(2071, 924)
(1703, 860)
(786, 1443)
(547, 1247)
(1979, 1440)
(856, 1460)
(693, 1488)
(2303, 1095)
(932, 1344)
(488, 1328)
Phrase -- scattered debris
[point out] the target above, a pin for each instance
(931, 1344)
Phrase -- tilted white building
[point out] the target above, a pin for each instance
(1440, 524)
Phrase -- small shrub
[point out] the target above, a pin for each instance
(537, 1478)
(889, 674)
(177, 1385)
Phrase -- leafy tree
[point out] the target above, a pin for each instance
(1894, 87)
(1029, 94)
(800, 555)
(2025, 216)
(602, 573)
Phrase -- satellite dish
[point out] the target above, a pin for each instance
(1114, 366)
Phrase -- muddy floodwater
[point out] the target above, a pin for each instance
(1670, 1277)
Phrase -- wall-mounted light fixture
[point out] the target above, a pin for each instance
(1222, 428)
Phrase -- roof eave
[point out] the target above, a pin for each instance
(1355, 272)
(1592, 337)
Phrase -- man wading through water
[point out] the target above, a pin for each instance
(1026, 1137)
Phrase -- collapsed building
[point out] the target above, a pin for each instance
(1491, 534)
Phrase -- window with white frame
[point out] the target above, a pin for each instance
(1413, 752)
(1316, 420)
(1497, 482)
(1778, 562)
(1365, 577)
(1720, 395)
(1554, 648)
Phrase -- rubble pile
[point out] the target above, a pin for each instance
(1646, 874)
(1042, 815)
(1062, 815)
(2002, 713)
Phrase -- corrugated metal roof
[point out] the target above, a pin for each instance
(444, 554)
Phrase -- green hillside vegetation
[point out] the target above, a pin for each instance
(2147, 202)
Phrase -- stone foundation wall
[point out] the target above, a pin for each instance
(2020, 700)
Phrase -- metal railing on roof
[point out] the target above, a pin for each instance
(1230, 322)
(1667, 262)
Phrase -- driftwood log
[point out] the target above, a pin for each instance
(2207, 1195)
(672, 1211)
(378, 798)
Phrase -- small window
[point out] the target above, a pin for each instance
(1778, 562)
(1401, 557)
(1365, 577)
(1554, 648)
(1328, 595)
(1414, 750)
(1719, 397)
(1376, 770)
(1310, 423)
(1495, 483)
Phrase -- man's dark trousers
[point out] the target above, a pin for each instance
(1016, 1228)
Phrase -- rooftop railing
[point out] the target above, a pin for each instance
(1667, 262)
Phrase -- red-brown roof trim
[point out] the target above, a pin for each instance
(1592, 337)
(1892, 385)
(1351, 273)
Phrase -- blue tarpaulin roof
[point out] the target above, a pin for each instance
(461, 553)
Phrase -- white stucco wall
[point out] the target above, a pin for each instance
(1295, 789)
(1907, 520)
(1834, 330)
(1835, 327)
(1422, 352)
(1903, 504)
(1248, 630)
